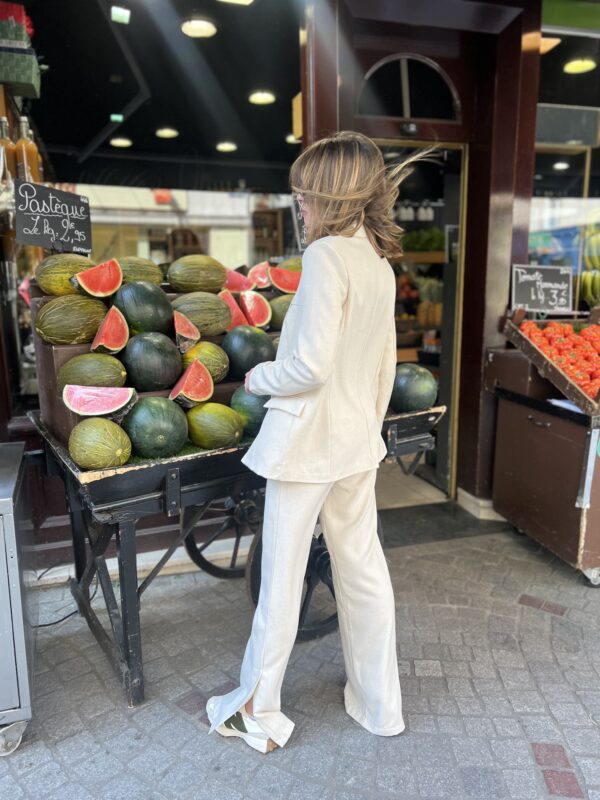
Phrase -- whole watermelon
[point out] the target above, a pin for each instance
(213, 357)
(250, 408)
(157, 427)
(54, 273)
(415, 389)
(91, 369)
(135, 268)
(279, 308)
(145, 307)
(152, 362)
(246, 347)
(70, 319)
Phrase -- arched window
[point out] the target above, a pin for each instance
(408, 87)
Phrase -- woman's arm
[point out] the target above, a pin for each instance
(320, 300)
(387, 373)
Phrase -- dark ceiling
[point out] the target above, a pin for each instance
(201, 88)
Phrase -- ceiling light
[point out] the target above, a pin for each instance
(574, 141)
(226, 147)
(238, 2)
(117, 117)
(167, 133)
(198, 28)
(120, 141)
(579, 65)
(392, 154)
(538, 177)
(548, 43)
(291, 139)
(262, 97)
(560, 165)
(119, 14)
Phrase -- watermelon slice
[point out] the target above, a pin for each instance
(238, 282)
(285, 280)
(98, 401)
(258, 274)
(256, 308)
(113, 333)
(237, 315)
(195, 386)
(100, 281)
(186, 333)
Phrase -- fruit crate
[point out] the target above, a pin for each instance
(59, 420)
(548, 369)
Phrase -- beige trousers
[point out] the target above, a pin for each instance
(364, 597)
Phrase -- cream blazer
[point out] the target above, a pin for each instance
(332, 379)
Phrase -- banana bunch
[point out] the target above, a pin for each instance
(590, 287)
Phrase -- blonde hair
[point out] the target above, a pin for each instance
(346, 184)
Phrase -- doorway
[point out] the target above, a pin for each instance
(429, 296)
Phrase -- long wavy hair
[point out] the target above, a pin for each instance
(345, 183)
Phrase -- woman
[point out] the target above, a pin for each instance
(320, 445)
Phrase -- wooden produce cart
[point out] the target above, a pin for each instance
(547, 462)
(107, 504)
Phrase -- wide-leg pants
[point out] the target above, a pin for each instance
(364, 596)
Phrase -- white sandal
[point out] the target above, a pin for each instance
(242, 725)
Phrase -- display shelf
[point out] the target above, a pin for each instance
(425, 257)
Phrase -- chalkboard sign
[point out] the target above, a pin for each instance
(49, 218)
(548, 289)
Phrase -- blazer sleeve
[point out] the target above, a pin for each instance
(387, 373)
(320, 302)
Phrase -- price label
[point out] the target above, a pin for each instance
(548, 289)
(49, 218)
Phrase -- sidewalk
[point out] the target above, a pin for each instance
(499, 652)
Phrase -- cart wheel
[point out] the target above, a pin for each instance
(592, 577)
(10, 737)
(318, 615)
(243, 515)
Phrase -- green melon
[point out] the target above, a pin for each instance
(197, 273)
(157, 427)
(293, 264)
(98, 443)
(213, 357)
(209, 313)
(135, 268)
(152, 362)
(246, 347)
(250, 408)
(72, 319)
(54, 273)
(145, 307)
(415, 389)
(279, 306)
(213, 425)
(92, 369)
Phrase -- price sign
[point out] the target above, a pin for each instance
(52, 219)
(548, 289)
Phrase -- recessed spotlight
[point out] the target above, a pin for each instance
(538, 177)
(120, 15)
(393, 154)
(226, 147)
(120, 141)
(167, 133)
(579, 65)
(117, 117)
(560, 165)
(291, 139)
(262, 97)
(198, 28)
(238, 2)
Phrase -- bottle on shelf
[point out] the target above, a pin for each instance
(39, 158)
(9, 147)
(27, 154)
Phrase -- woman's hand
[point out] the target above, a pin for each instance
(247, 381)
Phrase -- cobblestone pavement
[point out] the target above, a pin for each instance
(498, 646)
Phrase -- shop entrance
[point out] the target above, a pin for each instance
(429, 287)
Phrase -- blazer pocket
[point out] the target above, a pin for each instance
(293, 405)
